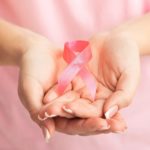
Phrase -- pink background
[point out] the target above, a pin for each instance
(62, 20)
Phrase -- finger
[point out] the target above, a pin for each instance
(52, 93)
(54, 108)
(31, 94)
(80, 126)
(122, 96)
(84, 93)
(77, 83)
(48, 129)
(118, 124)
(102, 92)
(84, 108)
(101, 131)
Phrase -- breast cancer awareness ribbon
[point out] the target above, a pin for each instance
(77, 54)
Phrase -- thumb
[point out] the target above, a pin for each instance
(123, 94)
(31, 94)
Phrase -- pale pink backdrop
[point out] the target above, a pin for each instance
(62, 20)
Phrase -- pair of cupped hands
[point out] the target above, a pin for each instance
(115, 64)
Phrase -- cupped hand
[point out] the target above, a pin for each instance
(39, 68)
(116, 66)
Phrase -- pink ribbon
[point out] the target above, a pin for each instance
(77, 54)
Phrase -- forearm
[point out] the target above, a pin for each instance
(11, 43)
(15, 41)
(139, 31)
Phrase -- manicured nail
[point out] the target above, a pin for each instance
(111, 112)
(67, 110)
(49, 116)
(41, 119)
(46, 134)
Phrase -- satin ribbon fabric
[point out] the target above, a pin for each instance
(77, 54)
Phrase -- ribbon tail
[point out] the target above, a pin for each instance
(89, 81)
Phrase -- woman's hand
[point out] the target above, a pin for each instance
(116, 66)
(38, 63)
(118, 69)
(39, 67)
(117, 78)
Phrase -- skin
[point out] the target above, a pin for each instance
(117, 74)
(27, 50)
(117, 79)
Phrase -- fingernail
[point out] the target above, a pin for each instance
(67, 110)
(46, 134)
(105, 127)
(41, 119)
(111, 112)
(49, 116)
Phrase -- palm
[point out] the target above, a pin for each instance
(118, 67)
(117, 72)
(117, 77)
(37, 74)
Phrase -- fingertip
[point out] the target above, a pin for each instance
(67, 109)
(109, 103)
(71, 108)
(117, 124)
(81, 108)
(48, 111)
(50, 116)
(41, 118)
(48, 129)
(46, 134)
(111, 111)
(97, 124)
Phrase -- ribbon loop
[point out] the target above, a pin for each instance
(77, 54)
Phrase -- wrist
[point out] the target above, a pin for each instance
(125, 38)
(24, 42)
(12, 43)
(32, 44)
(134, 36)
(35, 47)
(15, 42)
